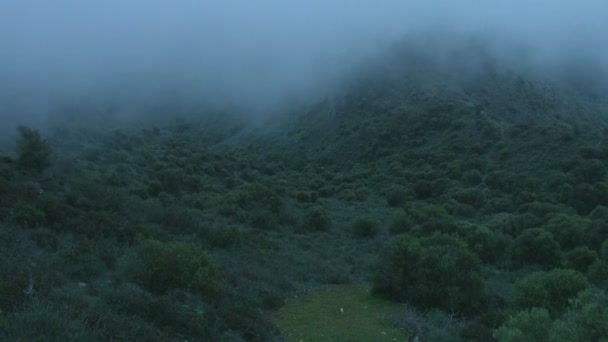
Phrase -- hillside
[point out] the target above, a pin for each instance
(456, 188)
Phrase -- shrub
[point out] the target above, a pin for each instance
(41, 321)
(471, 196)
(430, 218)
(581, 258)
(437, 271)
(597, 272)
(536, 246)
(162, 266)
(33, 153)
(317, 219)
(401, 223)
(472, 177)
(28, 216)
(528, 325)
(423, 189)
(604, 250)
(490, 246)
(585, 320)
(568, 230)
(591, 171)
(396, 196)
(364, 227)
(550, 290)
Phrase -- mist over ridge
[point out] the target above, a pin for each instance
(256, 56)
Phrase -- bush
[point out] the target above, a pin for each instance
(592, 170)
(28, 216)
(581, 258)
(585, 320)
(536, 246)
(397, 196)
(317, 219)
(472, 177)
(364, 227)
(401, 223)
(550, 290)
(604, 250)
(162, 266)
(598, 272)
(568, 230)
(528, 325)
(437, 271)
(40, 321)
(430, 218)
(33, 153)
(491, 247)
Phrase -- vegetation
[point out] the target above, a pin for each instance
(473, 210)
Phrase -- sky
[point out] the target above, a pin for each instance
(255, 55)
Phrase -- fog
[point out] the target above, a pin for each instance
(257, 56)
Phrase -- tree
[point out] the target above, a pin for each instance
(551, 290)
(33, 153)
(438, 271)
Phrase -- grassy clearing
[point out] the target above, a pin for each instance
(339, 313)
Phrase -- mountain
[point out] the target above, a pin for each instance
(201, 226)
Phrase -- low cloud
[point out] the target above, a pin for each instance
(254, 56)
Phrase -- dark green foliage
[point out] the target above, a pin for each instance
(317, 219)
(364, 227)
(568, 230)
(550, 290)
(28, 216)
(501, 204)
(514, 224)
(586, 197)
(401, 223)
(471, 196)
(490, 246)
(33, 153)
(430, 218)
(260, 206)
(581, 258)
(597, 273)
(220, 236)
(41, 321)
(396, 196)
(162, 266)
(437, 271)
(585, 320)
(591, 171)
(536, 246)
(604, 250)
(472, 177)
(527, 325)
(423, 189)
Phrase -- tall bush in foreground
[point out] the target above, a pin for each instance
(33, 153)
(438, 271)
(162, 266)
(551, 290)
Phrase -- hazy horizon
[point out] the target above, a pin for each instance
(254, 57)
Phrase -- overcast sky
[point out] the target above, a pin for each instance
(253, 53)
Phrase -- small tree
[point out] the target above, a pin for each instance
(33, 153)
(438, 271)
(550, 290)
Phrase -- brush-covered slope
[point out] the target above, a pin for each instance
(415, 177)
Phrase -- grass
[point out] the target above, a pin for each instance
(339, 313)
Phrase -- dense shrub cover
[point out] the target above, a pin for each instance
(437, 271)
(161, 266)
(551, 290)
